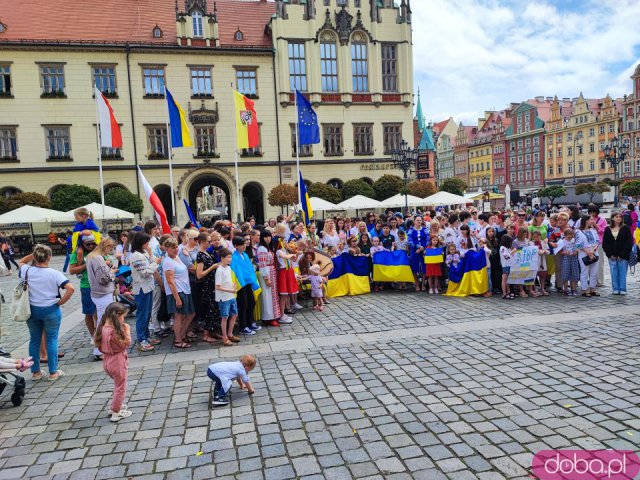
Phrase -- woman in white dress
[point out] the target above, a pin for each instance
(268, 278)
(330, 237)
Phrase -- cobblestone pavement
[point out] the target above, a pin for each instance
(385, 386)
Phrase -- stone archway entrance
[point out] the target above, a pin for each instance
(209, 192)
(253, 201)
(164, 194)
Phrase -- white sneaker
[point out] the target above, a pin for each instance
(623, 293)
(124, 407)
(284, 319)
(116, 417)
(297, 306)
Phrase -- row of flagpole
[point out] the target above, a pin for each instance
(246, 133)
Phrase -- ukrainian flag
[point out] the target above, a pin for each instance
(470, 277)
(433, 256)
(243, 274)
(304, 200)
(177, 122)
(392, 267)
(350, 276)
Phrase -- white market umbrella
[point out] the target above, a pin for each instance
(359, 202)
(210, 213)
(445, 198)
(110, 213)
(319, 205)
(399, 201)
(29, 214)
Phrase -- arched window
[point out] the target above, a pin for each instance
(359, 63)
(329, 62)
(336, 183)
(197, 24)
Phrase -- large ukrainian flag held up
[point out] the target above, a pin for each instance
(304, 200)
(470, 277)
(392, 267)
(350, 276)
(178, 123)
(247, 130)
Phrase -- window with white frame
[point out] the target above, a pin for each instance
(592, 164)
(8, 144)
(157, 142)
(626, 167)
(611, 128)
(329, 65)
(527, 175)
(58, 142)
(601, 129)
(5, 80)
(389, 67)
(359, 65)
(305, 150)
(247, 81)
(52, 80)
(536, 174)
(196, 18)
(206, 141)
(153, 77)
(569, 167)
(104, 77)
(592, 132)
(297, 67)
(201, 84)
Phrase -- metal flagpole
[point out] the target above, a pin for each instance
(174, 215)
(235, 129)
(298, 155)
(100, 159)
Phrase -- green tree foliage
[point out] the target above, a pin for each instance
(124, 200)
(421, 188)
(355, 187)
(628, 189)
(453, 185)
(552, 192)
(325, 191)
(68, 197)
(21, 199)
(387, 186)
(591, 189)
(283, 195)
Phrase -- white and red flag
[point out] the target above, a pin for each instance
(155, 202)
(109, 129)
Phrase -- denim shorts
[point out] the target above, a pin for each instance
(506, 270)
(228, 308)
(88, 307)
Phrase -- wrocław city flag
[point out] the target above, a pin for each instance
(247, 130)
(178, 123)
(470, 277)
(155, 202)
(392, 267)
(110, 136)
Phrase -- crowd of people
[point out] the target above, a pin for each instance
(223, 281)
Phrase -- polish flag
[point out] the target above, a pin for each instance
(155, 202)
(109, 128)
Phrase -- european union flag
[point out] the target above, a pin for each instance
(308, 128)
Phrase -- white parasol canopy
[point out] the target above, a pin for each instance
(399, 201)
(445, 198)
(110, 213)
(359, 202)
(210, 213)
(29, 214)
(320, 205)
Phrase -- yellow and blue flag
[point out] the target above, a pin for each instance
(304, 200)
(192, 217)
(470, 277)
(243, 274)
(177, 122)
(308, 128)
(350, 276)
(433, 256)
(392, 267)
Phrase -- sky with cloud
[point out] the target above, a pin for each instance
(477, 55)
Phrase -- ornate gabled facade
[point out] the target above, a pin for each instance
(464, 136)
(351, 58)
(499, 150)
(630, 127)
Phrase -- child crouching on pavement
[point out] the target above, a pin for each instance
(222, 374)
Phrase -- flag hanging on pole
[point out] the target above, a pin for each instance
(177, 122)
(247, 129)
(304, 200)
(155, 202)
(308, 129)
(110, 136)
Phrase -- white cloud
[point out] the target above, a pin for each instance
(470, 56)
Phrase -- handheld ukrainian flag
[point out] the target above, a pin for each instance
(350, 276)
(470, 277)
(392, 267)
(307, 210)
(433, 256)
(308, 128)
(177, 122)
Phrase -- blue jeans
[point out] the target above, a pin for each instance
(619, 274)
(143, 314)
(45, 319)
(218, 391)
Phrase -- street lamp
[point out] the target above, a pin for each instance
(615, 153)
(576, 138)
(405, 158)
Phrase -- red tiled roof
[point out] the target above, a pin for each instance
(440, 126)
(127, 21)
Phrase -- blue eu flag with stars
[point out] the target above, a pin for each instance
(308, 129)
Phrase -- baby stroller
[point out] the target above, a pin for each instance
(7, 375)
(123, 286)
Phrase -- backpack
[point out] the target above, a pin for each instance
(626, 218)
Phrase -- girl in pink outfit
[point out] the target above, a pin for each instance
(114, 337)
